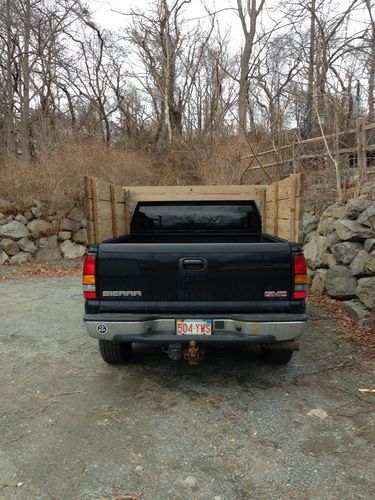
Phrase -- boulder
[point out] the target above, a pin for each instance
(355, 207)
(336, 211)
(326, 226)
(331, 260)
(350, 230)
(28, 215)
(50, 242)
(339, 283)
(310, 276)
(20, 258)
(21, 218)
(72, 250)
(3, 256)
(75, 214)
(2, 216)
(48, 254)
(332, 239)
(366, 291)
(37, 212)
(371, 192)
(9, 246)
(370, 245)
(81, 236)
(14, 230)
(27, 246)
(357, 267)
(39, 226)
(316, 252)
(310, 223)
(370, 264)
(64, 235)
(317, 285)
(69, 225)
(367, 218)
(346, 251)
(356, 310)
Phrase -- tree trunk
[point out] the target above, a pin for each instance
(25, 101)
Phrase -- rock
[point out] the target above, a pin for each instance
(80, 236)
(350, 230)
(2, 216)
(37, 212)
(310, 223)
(75, 214)
(310, 276)
(189, 482)
(317, 412)
(139, 468)
(28, 215)
(39, 226)
(64, 235)
(356, 310)
(27, 245)
(315, 252)
(3, 257)
(72, 250)
(346, 251)
(336, 211)
(339, 283)
(371, 192)
(50, 242)
(48, 254)
(355, 207)
(367, 218)
(357, 267)
(370, 265)
(15, 230)
(326, 226)
(21, 218)
(332, 239)
(69, 225)
(20, 258)
(370, 245)
(331, 260)
(317, 285)
(9, 246)
(366, 291)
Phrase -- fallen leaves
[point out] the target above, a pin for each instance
(352, 330)
(317, 412)
(45, 270)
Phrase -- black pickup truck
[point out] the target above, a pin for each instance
(191, 274)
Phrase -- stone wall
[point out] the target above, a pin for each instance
(36, 234)
(339, 247)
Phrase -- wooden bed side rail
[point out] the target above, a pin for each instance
(107, 205)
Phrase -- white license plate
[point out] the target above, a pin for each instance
(193, 326)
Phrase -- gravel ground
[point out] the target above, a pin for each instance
(72, 427)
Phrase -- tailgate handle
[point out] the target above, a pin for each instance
(190, 264)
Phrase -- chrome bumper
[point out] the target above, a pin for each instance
(224, 330)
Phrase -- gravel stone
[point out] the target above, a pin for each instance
(14, 230)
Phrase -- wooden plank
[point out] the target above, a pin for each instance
(292, 208)
(282, 209)
(106, 209)
(96, 216)
(195, 193)
(264, 204)
(88, 195)
(126, 212)
(114, 210)
(283, 227)
(275, 214)
(90, 232)
(300, 207)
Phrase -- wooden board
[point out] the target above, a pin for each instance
(107, 205)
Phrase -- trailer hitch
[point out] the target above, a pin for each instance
(194, 352)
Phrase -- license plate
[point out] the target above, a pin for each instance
(193, 326)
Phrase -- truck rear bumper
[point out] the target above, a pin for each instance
(251, 329)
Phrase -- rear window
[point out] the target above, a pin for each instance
(193, 216)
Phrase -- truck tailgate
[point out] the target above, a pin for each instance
(199, 277)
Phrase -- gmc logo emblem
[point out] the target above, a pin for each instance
(122, 293)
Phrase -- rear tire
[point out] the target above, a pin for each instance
(277, 356)
(114, 352)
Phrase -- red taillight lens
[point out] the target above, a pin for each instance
(300, 276)
(299, 264)
(88, 279)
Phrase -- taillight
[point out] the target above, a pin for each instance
(88, 279)
(300, 276)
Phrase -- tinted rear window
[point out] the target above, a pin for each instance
(185, 216)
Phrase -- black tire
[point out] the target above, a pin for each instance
(114, 352)
(277, 356)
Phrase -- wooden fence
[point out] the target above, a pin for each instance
(353, 149)
(108, 206)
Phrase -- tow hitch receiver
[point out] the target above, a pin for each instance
(194, 352)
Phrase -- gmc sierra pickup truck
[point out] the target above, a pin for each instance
(191, 274)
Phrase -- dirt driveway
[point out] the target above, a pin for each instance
(72, 427)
